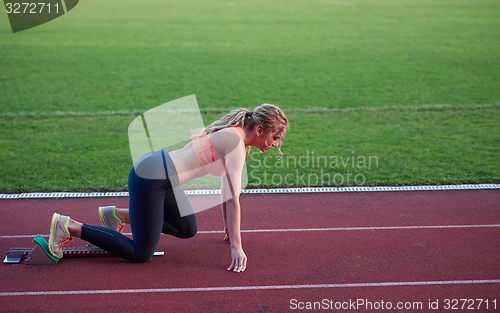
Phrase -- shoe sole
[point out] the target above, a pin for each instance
(51, 236)
(101, 217)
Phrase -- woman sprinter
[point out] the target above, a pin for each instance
(158, 204)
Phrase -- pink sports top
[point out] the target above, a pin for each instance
(207, 155)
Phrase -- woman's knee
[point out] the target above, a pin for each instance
(141, 255)
(189, 234)
(142, 258)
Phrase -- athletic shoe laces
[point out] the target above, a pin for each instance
(65, 241)
(120, 229)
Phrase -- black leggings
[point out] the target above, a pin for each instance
(155, 207)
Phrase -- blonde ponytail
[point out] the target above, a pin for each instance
(234, 118)
(268, 115)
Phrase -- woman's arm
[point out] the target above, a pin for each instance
(231, 214)
(230, 190)
(239, 259)
(223, 206)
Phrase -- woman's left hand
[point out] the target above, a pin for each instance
(239, 263)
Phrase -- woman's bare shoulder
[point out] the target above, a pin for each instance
(226, 140)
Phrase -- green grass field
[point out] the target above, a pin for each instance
(414, 85)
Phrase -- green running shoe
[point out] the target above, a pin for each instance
(59, 234)
(109, 219)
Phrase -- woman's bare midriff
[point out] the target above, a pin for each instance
(186, 164)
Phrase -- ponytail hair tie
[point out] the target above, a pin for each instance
(250, 113)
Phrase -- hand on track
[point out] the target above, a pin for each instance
(239, 262)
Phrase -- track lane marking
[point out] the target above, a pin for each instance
(246, 288)
(312, 229)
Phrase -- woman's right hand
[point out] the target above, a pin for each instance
(226, 238)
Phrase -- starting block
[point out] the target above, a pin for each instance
(40, 254)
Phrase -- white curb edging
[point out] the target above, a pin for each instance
(41, 195)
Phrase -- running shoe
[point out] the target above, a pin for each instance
(109, 219)
(59, 234)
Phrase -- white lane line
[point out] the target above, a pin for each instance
(246, 288)
(311, 229)
(331, 108)
(338, 2)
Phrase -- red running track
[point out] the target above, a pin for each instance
(409, 248)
